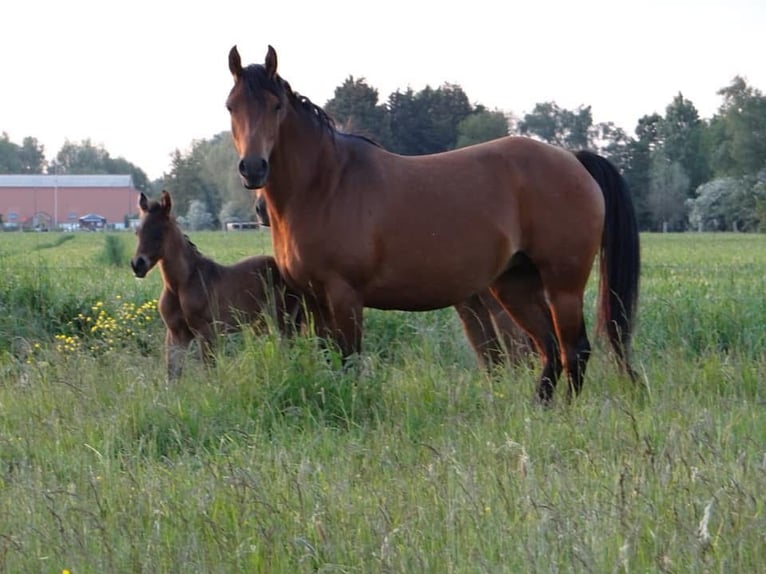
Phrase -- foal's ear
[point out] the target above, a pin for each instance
(235, 63)
(271, 63)
(165, 203)
(143, 202)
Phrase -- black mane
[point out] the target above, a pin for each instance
(257, 80)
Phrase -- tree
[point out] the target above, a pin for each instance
(198, 217)
(426, 122)
(480, 126)
(32, 156)
(406, 122)
(566, 128)
(186, 181)
(729, 203)
(86, 158)
(355, 108)
(28, 158)
(738, 131)
(667, 193)
(637, 164)
(681, 131)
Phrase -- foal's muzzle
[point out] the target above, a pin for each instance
(254, 171)
(140, 266)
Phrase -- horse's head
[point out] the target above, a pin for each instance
(257, 104)
(151, 233)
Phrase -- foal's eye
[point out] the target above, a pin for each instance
(278, 106)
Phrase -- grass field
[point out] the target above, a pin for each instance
(277, 461)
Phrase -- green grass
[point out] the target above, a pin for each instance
(275, 460)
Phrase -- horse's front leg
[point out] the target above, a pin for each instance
(338, 317)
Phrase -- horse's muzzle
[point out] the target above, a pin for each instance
(254, 171)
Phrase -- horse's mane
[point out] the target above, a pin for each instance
(256, 80)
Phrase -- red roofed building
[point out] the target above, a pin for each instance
(60, 201)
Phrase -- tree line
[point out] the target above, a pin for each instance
(684, 171)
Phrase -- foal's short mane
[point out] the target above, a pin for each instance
(193, 247)
(256, 80)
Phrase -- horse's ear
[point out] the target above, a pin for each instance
(165, 202)
(235, 63)
(271, 63)
(143, 202)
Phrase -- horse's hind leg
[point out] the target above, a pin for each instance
(520, 290)
(516, 343)
(570, 327)
(480, 331)
(495, 337)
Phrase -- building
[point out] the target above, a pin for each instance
(60, 201)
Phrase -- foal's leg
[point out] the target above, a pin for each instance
(520, 290)
(480, 331)
(177, 343)
(178, 336)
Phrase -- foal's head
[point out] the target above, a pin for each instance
(156, 223)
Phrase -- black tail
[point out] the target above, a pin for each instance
(620, 261)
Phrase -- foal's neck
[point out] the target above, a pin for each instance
(178, 260)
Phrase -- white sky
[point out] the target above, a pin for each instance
(145, 78)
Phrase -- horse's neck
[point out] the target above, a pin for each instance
(307, 153)
(178, 262)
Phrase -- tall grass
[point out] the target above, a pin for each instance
(413, 460)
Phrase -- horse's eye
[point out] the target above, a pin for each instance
(278, 107)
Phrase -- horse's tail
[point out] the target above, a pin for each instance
(620, 260)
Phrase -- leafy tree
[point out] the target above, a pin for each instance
(27, 158)
(186, 181)
(738, 131)
(86, 158)
(407, 120)
(82, 158)
(218, 160)
(480, 126)
(355, 108)
(207, 173)
(427, 121)
(729, 203)
(198, 217)
(558, 126)
(32, 156)
(637, 164)
(681, 132)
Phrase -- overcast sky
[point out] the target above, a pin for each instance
(145, 78)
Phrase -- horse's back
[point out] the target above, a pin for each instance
(437, 216)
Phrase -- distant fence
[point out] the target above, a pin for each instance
(242, 225)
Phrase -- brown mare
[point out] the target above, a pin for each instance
(356, 226)
(201, 298)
